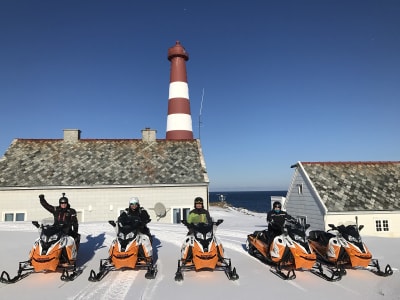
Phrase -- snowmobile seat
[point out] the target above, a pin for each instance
(261, 234)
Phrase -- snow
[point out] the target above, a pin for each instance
(255, 280)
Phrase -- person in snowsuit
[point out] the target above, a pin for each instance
(64, 216)
(199, 214)
(276, 218)
(133, 212)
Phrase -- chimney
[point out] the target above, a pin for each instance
(148, 135)
(179, 121)
(72, 135)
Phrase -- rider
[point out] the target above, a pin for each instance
(135, 210)
(64, 216)
(276, 219)
(199, 214)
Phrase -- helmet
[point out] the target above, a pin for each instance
(277, 204)
(63, 199)
(134, 200)
(198, 200)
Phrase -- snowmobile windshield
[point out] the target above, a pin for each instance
(128, 232)
(203, 233)
(50, 234)
(203, 227)
(350, 233)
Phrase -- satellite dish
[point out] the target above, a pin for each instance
(160, 210)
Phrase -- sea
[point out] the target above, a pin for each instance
(257, 201)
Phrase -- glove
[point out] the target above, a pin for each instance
(41, 197)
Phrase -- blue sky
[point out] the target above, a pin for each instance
(284, 81)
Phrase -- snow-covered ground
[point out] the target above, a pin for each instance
(255, 282)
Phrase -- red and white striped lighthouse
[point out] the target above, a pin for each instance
(179, 121)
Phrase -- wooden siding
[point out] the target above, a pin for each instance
(306, 203)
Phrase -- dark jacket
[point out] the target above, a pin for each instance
(130, 215)
(276, 220)
(64, 217)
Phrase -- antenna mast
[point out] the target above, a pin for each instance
(201, 108)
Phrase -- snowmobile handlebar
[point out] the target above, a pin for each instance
(185, 222)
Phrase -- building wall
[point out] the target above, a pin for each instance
(370, 220)
(101, 204)
(302, 202)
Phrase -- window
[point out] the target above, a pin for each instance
(385, 224)
(302, 220)
(300, 188)
(14, 217)
(179, 214)
(19, 217)
(382, 225)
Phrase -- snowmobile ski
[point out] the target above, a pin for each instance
(375, 268)
(23, 272)
(70, 275)
(335, 273)
(290, 275)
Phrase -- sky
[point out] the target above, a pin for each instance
(255, 280)
(271, 83)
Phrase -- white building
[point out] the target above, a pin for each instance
(99, 176)
(366, 193)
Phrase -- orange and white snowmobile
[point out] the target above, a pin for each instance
(202, 251)
(341, 247)
(51, 251)
(131, 249)
(286, 252)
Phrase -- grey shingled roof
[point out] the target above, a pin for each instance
(87, 162)
(356, 186)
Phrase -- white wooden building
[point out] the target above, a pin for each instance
(366, 193)
(99, 176)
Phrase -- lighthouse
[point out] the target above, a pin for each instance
(179, 121)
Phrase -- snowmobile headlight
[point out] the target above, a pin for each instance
(130, 235)
(298, 238)
(199, 236)
(208, 235)
(354, 239)
(48, 239)
(53, 238)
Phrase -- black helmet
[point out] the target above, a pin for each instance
(198, 200)
(63, 199)
(277, 204)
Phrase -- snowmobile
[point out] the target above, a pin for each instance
(131, 249)
(202, 251)
(51, 251)
(286, 252)
(341, 247)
